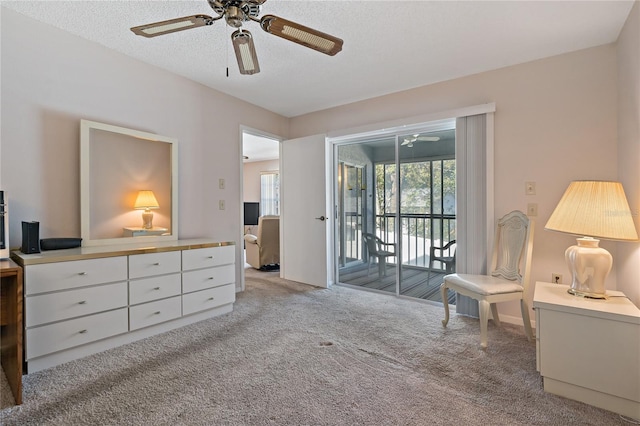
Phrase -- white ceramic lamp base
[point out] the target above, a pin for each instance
(589, 265)
(147, 219)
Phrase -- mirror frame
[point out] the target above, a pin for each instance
(85, 183)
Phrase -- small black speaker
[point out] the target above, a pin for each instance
(30, 237)
(59, 243)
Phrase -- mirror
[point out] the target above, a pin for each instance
(116, 164)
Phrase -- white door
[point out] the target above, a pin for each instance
(305, 218)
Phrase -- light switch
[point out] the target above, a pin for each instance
(221, 185)
(532, 209)
(530, 188)
(221, 204)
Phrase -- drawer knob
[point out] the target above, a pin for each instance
(156, 313)
(82, 273)
(82, 331)
(156, 288)
(210, 278)
(209, 257)
(156, 264)
(211, 298)
(82, 302)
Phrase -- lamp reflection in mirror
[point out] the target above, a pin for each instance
(592, 210)
(146, 201)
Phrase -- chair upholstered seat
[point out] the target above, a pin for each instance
(484, 284)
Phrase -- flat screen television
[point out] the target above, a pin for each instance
(251, 213)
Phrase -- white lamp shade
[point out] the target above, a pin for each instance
(146, 200)
(596, 209)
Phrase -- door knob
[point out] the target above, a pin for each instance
(321, 218)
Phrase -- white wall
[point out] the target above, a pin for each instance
(555, 122)
(51, 79)
(628, 259)
(251, 177)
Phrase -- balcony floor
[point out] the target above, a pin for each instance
(414, 281)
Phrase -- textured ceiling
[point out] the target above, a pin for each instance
(388, 45)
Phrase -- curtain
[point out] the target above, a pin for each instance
(474, 199)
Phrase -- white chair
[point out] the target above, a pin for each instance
(512, 247)
(377, 248)
(449, 262)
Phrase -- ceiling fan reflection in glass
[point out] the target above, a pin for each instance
(408, 142)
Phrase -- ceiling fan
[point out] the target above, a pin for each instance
(417, 138)
(237, 12)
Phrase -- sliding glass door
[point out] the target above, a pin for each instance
(405, 205)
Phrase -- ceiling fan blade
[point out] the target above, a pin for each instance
(428, 138)
(300, 34)
(173, 25)
(245, 52)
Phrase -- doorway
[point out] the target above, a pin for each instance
(396, 198)
(260, 193)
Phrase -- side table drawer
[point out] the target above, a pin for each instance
(63, 305)
(150, 264)
(206, 278)
(208, 299)
(67, 334)
(154, 288)
(208, 257)
(78, 273)
(154, 312)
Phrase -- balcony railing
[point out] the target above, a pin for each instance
(419, 233)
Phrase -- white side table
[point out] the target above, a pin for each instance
(135, 231)
(588, 349)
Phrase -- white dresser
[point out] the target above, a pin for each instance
(84, 300)
(589, 349)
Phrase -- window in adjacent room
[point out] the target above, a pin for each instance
(269, 193)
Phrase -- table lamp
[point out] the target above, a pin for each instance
(146, 201)
(592, 210)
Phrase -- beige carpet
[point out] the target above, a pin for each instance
(294, 355)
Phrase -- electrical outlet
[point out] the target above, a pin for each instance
(221, 204)
(532, 209)
(556, 278)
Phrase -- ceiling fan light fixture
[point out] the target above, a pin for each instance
(172, 25)
(313, 39)
(245, 52)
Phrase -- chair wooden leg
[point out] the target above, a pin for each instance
(525, 319)
(494, 314)
(484, 319)
(445, 302)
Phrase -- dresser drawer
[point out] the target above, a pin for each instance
(147, 265)
(208, 299)
(78, 273)
(201, 279)
(208, 257)
(67, 334)
(63, 305)
(154, 288)
(154, 312)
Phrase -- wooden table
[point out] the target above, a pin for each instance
(11, 325)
